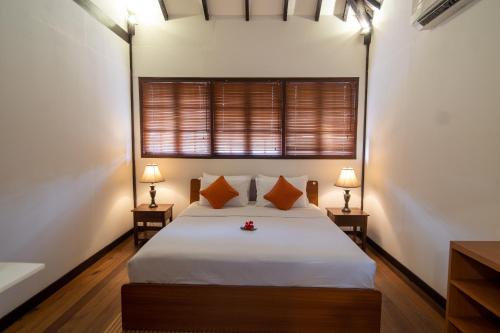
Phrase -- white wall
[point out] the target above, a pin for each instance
(65, 170)
(433, 160)
(263, 47)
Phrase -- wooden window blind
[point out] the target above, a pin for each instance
(176, 119)
(321, 118)
(247, 118)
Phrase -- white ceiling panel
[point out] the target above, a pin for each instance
(266, 7)
(176, 8)
(304, 7)
(147, 11)
(226, 7)
(308, 7)
(327, 7)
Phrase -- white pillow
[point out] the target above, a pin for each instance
(239, 183)
(265, 184)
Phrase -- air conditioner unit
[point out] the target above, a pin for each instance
(429, 13)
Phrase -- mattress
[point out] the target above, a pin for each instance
(298, 247)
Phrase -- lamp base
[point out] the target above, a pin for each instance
(347, 197)
(152, 193)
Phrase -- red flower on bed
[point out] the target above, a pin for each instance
(249, 226)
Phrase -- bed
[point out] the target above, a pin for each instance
(297, 273)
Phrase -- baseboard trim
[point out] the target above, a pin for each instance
(439, 300)
(31, 303)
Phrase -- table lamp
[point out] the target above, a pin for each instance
(152, 175)
(347, 180)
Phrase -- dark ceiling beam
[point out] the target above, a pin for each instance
(369, 12)
(247, 10)
(346, 11)
(318, 10)
(285, 10)
(360, 11)
(103, 18)
(205, 10)
(163, 9)
(374, 3)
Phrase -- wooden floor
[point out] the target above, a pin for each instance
(91, 302)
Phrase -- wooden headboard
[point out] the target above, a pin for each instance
(311, 189)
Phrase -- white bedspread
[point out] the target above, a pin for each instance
(299, 247)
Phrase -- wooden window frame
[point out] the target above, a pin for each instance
(283, 155)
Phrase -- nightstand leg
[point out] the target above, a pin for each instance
(170, 218)
(363, 230)
(136, 235)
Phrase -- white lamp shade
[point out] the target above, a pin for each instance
(347, 179)
(152, 174)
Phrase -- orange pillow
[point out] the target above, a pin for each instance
(283, 195)
(219, 192)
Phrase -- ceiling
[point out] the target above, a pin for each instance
(151, 11)
(180, 8)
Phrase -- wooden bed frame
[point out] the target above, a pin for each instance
(249, 309)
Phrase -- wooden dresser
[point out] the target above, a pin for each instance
(473, 303)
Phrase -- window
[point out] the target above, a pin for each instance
(247, 118)
(270, 118)
(321, 118)
(175, 119)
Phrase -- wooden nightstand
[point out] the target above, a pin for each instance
(356, 218)
(143, 215)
